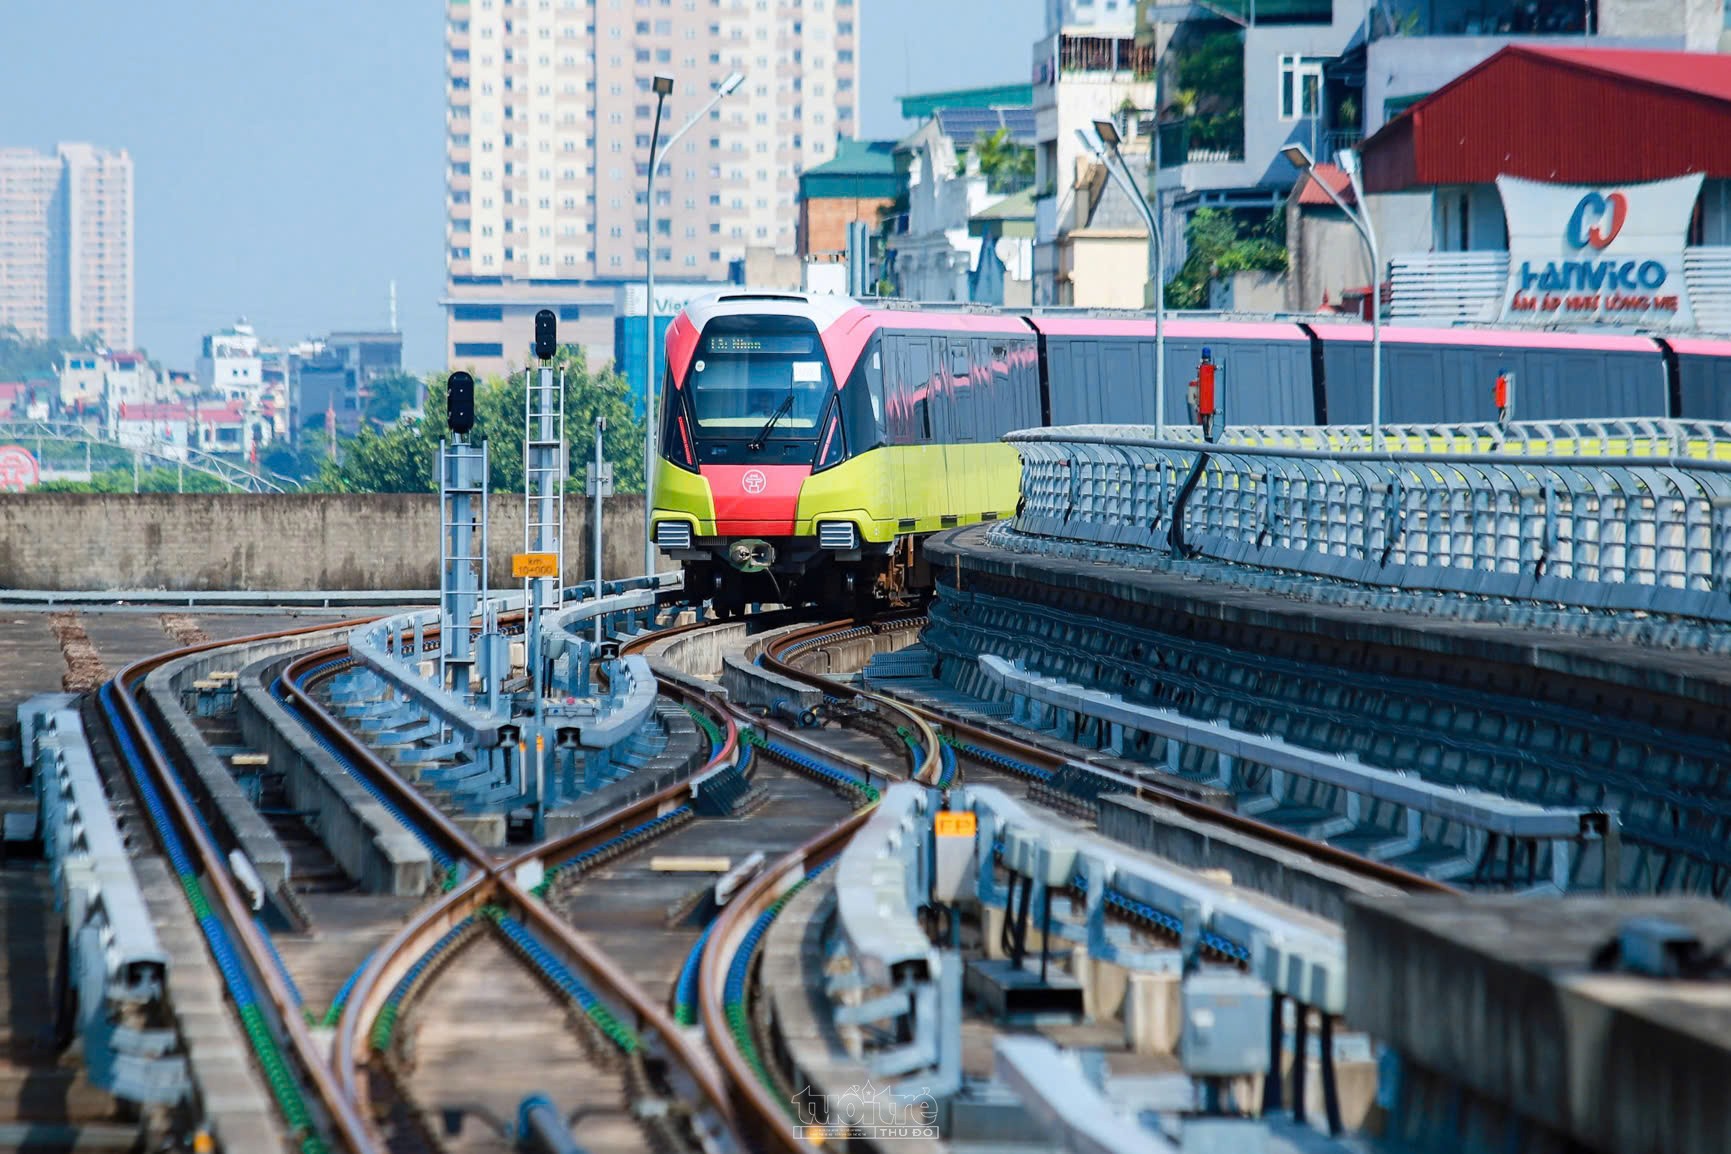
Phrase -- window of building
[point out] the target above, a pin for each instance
(1300, 86)
(477, 313)
(478, 348)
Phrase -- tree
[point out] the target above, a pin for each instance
(387, 397)
(1210, 90)
(23, 357)
(400, 459)
(1006, 165)
(1215, 243)
(299, 460)
(158, 479)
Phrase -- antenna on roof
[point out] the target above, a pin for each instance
(393, 306)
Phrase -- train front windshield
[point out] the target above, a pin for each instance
(766, 382)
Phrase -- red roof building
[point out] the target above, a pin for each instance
(1564, 115)
(1310, 191)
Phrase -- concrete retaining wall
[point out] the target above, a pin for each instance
(1282, 874)
(242, 541)
(371, 845)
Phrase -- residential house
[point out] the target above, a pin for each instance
(1102, 248)
(1088, 67)
(1004, 272)
(853, 188)
(1496, 200)
(932, 254)
(1242, 79)
(229, 365)
(81, 375)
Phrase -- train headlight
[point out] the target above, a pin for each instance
(838, 535)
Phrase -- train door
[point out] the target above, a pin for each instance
(1122, 389)
(1087, 402)
(960, 440)
(927, 485)
(1001, 405)
(898, 402)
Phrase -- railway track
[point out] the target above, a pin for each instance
(625, 995)
(282, 1043)
(960, 752)
(616, 1048)
(814, 780)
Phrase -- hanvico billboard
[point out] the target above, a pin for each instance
(1610, 255)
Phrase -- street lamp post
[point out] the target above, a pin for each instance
(663, 86)
(1107, 139)
(1299, 157)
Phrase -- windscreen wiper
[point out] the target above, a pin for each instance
(780, 412)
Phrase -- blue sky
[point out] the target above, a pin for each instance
(289, 157)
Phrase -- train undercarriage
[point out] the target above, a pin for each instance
(796, 571)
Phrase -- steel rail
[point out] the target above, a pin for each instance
(758, 1110)
(1189, 806)
(777, 659)
(498, 878)
(767, 1118)
(352, 1128)
(495, 877)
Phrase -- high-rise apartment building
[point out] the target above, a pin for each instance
(549, 116)
(66, 243)
(27, 183)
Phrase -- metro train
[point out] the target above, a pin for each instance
(809, 442)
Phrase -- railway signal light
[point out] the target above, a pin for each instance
(546, 339)
(460, 403)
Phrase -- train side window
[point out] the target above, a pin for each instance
(1001, 408)
(959, 395)
(874, 376)
(919, 388)
(895, 391)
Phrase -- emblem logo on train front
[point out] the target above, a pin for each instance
(754, 481)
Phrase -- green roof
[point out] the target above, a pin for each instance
(1012, 216)
(997, 96)
(861, 168)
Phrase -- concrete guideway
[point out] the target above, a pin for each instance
(1491, 709)
(1404, 802)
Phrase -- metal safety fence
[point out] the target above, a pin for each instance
(1610, 515)
(1640, 437)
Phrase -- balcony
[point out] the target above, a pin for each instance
(1202, 140)
(1105, 54)
(1483, 18)
(1337, 140)
(1245, 13)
